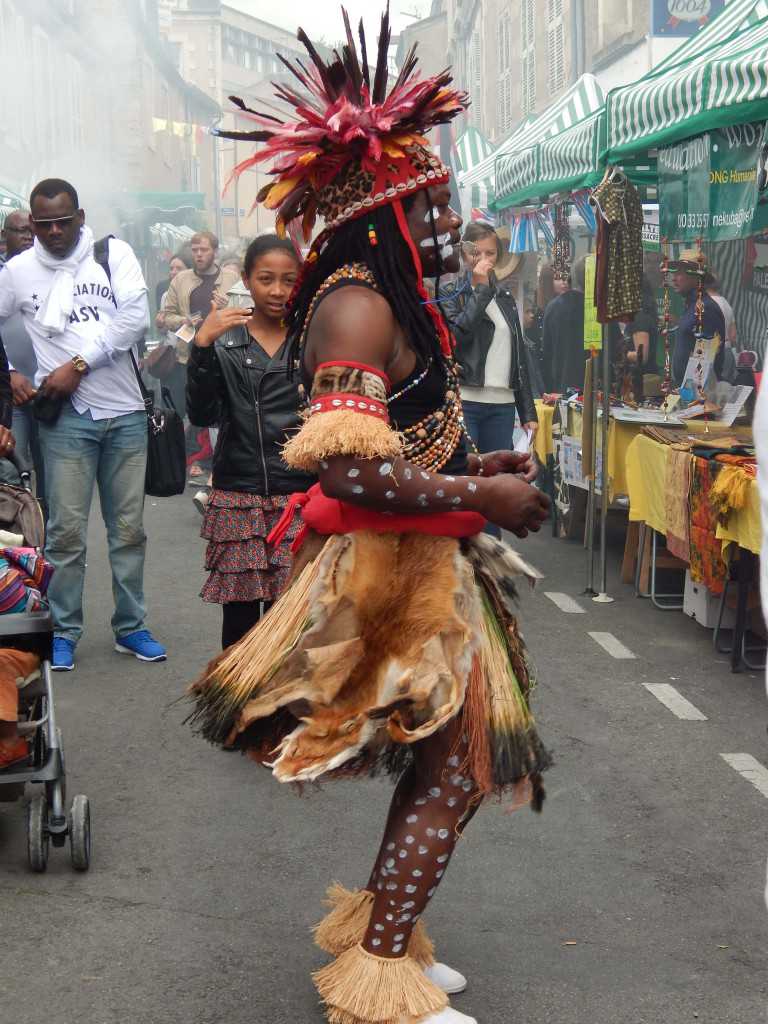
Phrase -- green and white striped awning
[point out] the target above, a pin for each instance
(719, 78)
(472, 148)
(518, 170)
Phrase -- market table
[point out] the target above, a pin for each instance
(646, 468)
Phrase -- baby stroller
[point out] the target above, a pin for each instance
(48, 822)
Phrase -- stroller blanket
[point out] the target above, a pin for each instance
(24, 579)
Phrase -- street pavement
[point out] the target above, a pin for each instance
(635, 898)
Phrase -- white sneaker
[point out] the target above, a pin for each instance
(200, 500)
(450, 981)
(448, 1016)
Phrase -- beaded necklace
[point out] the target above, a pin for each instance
(431, 442)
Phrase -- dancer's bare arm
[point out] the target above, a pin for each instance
(356, 324)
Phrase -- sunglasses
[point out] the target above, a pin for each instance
(58, 221)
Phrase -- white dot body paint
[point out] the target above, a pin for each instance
(385, 468)
(439, 874)
(408, 906)
(390, 846)
(391, 886)
(389, 863)
(423, 850)
(399, 937)
(412, 819)
(453, 762)
(440, 493)
(435, 792)
(389, 917)
(410, 840)
(456, 780)
(451, 479)
(440, 860)
(357, 489)
(419, 803)
(403, 854)
(404, 919)
(353, 473)
(467, 786)
(390, 495)
(408, 473)
(471, 486)
(451, 801)
(425, 476)
(397, 947)
(430, 894)
(378, 927)
(454, 501)
(443, 833)
(375, 942)
(323, 465)
(416, 873)
(431, 833)
(410, 889)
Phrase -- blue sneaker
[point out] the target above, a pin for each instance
(141, 645)
(63, 655)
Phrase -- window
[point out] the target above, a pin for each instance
(504, 90)
(528, 56)
(555, 47)
(475, 78)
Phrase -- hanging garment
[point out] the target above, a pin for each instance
(619, 275)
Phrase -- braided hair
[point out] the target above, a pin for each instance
(391, 263)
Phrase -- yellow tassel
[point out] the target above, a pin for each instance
(346, 924)
(326, 434)
(730, 491)
(360, 988)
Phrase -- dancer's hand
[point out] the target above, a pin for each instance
(22, 388)
(492, 463)
(512, 504)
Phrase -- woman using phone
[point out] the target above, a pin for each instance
(490, 347)
(237, 378)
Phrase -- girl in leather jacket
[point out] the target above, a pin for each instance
(237, 378)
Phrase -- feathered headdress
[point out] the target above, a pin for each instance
(352, 146)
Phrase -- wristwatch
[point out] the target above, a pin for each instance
(80, 364)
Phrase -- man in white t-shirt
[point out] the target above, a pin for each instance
(83, 330)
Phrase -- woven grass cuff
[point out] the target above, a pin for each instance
(341, 432)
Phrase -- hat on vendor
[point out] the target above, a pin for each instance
(509, 262)
(691, 261)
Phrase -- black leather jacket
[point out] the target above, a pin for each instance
(235, 386)
(464, 307)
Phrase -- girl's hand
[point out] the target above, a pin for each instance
(7, 441)
(218, 322)
(482, 269)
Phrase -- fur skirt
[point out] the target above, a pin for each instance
(379, 641)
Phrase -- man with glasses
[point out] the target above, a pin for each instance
(18, 237)
(93, 428)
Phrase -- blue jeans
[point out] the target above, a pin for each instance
(491, 427)
(79, 452)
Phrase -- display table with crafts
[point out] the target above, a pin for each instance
(706, 506)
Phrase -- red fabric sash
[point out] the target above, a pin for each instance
(329, 515)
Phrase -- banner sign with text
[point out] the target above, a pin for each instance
(708, 184)
(682, 17)
(593, 332)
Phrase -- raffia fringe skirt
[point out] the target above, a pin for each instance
(378, 642)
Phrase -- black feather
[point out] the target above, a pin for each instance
(350, 57)
(364, 55)
(382, 60)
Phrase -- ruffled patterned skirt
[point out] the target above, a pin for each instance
(241, 565)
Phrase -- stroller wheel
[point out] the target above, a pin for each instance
(80, 833)
(37, 833)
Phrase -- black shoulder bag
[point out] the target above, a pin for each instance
(166, 451)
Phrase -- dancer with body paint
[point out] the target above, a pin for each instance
(395, 646)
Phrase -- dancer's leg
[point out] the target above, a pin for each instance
(432, 803)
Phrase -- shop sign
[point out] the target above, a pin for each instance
(708, 184)
(682, 17)
(651, 235)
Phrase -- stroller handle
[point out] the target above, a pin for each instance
(22, 468)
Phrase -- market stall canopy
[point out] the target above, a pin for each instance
(718, 78)
(517, 165)
(10, 201)
(473, 147)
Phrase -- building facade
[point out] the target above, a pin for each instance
(91, 94)
(224, 52)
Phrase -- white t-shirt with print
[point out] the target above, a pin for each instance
(99, 331)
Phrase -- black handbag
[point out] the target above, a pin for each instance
(166, 450)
